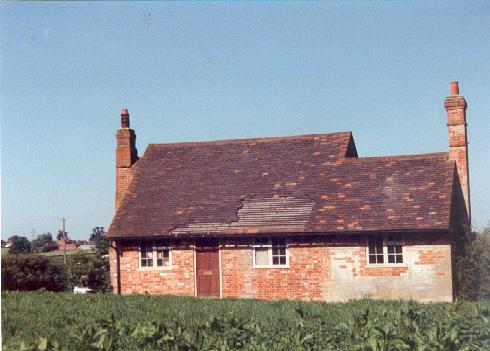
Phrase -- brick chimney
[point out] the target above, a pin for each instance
(126, 156)
(455, 105)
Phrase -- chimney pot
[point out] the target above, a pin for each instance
(454, 88)
(124, 118)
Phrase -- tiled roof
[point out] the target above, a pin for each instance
(309, 183)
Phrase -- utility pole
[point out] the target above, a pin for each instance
(63, 236)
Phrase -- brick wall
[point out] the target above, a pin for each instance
(323, 268)
(124, 176)
(305, 279)
(176, 280)
(126, 157)
(425, 276)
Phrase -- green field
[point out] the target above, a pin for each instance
(44, 320)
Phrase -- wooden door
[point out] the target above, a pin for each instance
(207, 267)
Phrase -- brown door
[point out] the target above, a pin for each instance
(207, 267)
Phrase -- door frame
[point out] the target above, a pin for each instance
(196, 246)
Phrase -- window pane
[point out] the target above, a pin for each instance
(144, 250)
(375, 243)
(278, 251)
(281, 251)
(163, 257)
(261, 256)
(393, 249)
(376, 259)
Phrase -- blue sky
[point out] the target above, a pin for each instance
(204, 71)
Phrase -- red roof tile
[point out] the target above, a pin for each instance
(309, 183)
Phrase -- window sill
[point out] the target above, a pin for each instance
(147, 269)
(387, 265)
(272, 266)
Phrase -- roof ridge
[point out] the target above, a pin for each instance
(256, 140)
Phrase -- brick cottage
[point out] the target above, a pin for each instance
(300, 217)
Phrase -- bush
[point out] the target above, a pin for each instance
(49, 247)
(473, 268)
(90, 271)
(31, 272)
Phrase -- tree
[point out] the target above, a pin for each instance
(20, 245)
(44, 243)
(60, 235)
(98, 236)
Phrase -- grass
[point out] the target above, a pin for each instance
(31, 316)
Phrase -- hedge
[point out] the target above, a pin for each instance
(32, 272)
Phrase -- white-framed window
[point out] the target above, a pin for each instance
(385, 249)
(154, 255)
(270, 252)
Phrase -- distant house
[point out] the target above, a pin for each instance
(87, 246)
(66, 244)
(301, 217)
